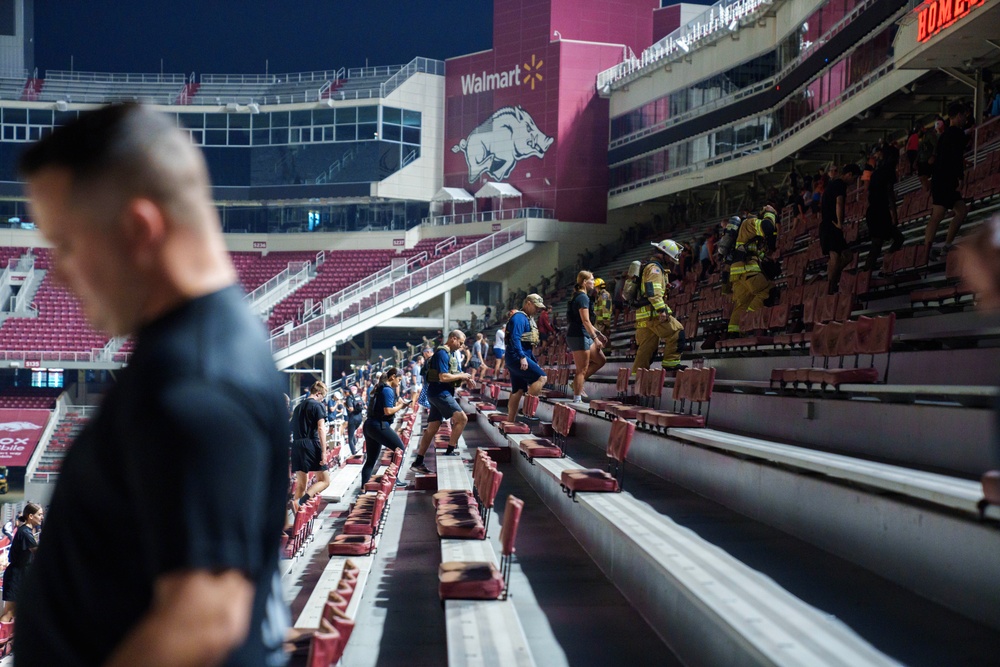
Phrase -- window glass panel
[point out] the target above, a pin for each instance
(15, 116)
(301, 118)
(391, 132)
(198, 137)
(346, 132)
(411, 118)
(239, 137)
(40, 116)
(367, 114)
(391, 115)
(240, 121)
(63, 117)
(215, 137)
(367, 131)
(20, 132)
(411, 135)
(328, 134)
(279, 119)
(324, 116)
(348, 115)
(279, 136)
(216, 120)
(261, 137)
(261, 120)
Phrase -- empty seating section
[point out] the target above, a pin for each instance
(55, 450)
(29, 398)
(255, 269)
(60, 325)
(343, 268)
(96, 87)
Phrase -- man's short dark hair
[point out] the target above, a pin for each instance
(851, 168)
(956, 108)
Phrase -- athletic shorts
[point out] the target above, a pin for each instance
(944, 192)
(498, 352)
(443, 406)
(831, 239)
(579, 344)
(520, 380)
(306, 456)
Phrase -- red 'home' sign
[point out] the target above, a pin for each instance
(935, 15)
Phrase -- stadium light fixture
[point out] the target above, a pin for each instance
(253, 108)
(62, 105)
(684, 47)
(734, 25)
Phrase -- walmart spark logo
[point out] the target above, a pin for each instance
(533, 71)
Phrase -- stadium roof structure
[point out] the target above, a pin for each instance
(501, 190)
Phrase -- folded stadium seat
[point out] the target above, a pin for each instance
(827, 348)
(872, 337)
(467, 522)
(351, 545)
(544, 448)
(326, 646)
(594, 479)
(697, 389)
(991, 491)
(529, 407)
(459, 580)
(365, 521)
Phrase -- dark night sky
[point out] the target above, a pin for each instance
(237, 37)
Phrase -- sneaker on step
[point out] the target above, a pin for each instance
(450, 452)
(421, 469)
(400, 484)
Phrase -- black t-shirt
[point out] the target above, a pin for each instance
(187, 462)
(880, 190)
(20, 547)
(949, 160)
(306, 418)
(835, 188)
(574, 325)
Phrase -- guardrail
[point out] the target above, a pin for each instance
(55, 356)
(424, 277)
(352, 293)
(113, 77)
(753, 89)
(295, 273)
(758, 147)
(416, 65)
(715, 21)
(490, 216)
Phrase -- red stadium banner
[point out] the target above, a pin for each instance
(935, 15)
(19, 434)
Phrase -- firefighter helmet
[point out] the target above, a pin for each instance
(670, 248)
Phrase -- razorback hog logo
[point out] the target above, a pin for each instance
(13, 427)
(496, 146)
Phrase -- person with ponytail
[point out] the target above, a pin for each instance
(382, 408)
(22, 552)
(583, 340)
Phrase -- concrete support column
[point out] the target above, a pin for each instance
(445, 326)
(328, 367)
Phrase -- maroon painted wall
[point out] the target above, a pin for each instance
(527, 112)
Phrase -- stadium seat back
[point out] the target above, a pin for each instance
(654, 383)
(621, 386)
(511, 521)
(620, 440)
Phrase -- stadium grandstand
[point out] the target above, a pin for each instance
(814, 484)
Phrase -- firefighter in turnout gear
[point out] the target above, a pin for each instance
(757, 238)
(602, 307)
(653, 318)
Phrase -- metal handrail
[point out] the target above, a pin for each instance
(753, 89)
(422, 278)
(112, 77)
(757, 147)
(293, 270)
(489, 216)
(352, 293)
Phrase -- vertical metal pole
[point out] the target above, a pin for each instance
(328, 367)
(445, 328)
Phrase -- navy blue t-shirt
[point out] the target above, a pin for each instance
(440, 362)
(386, 398)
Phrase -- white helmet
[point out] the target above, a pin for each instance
(668, 247)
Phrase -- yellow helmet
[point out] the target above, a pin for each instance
(599, 283)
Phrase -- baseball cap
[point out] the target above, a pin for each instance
(536, 299)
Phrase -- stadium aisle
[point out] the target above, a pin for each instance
(570, 612)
